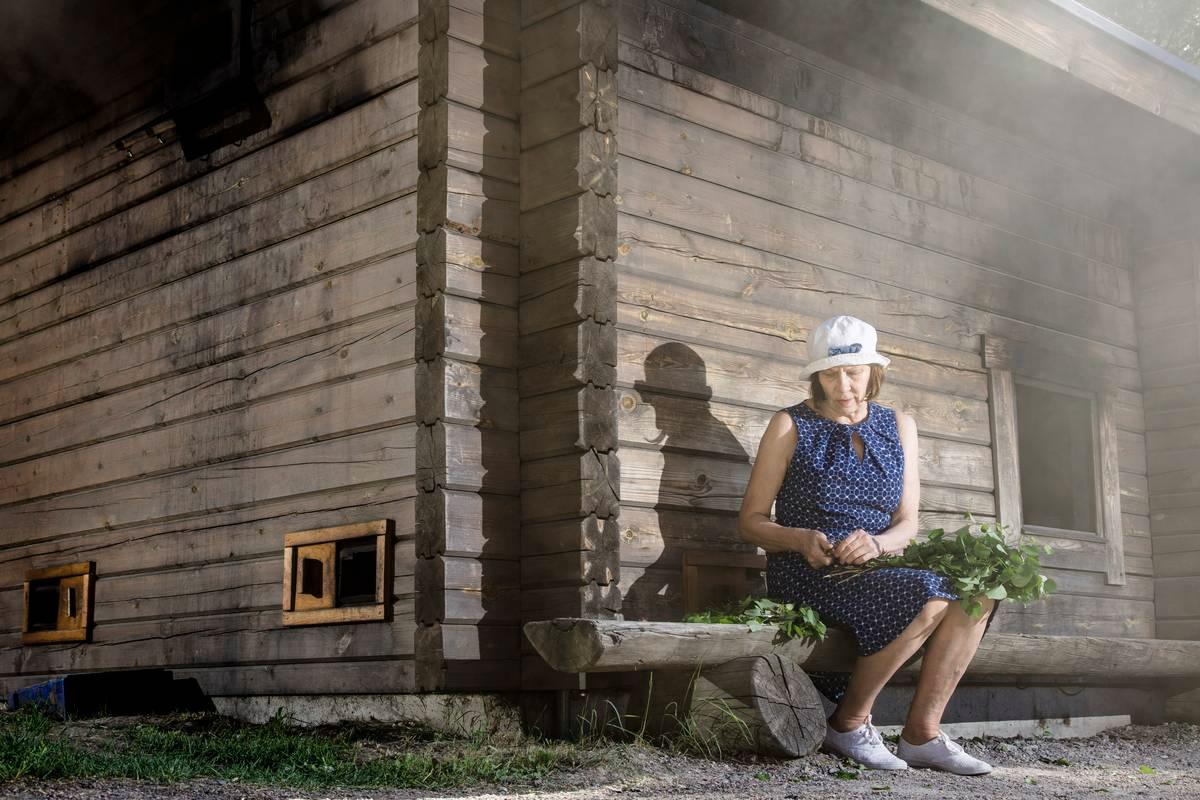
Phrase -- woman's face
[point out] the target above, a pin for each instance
(846, 388)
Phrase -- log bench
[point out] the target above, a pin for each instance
(748, 692)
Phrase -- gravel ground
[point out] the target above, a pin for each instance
(1139, 761)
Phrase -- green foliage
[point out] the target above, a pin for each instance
(976, 559)
(793, 621)
(35, 746)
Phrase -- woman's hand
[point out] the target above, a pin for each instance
(815, 548)
(857, 548)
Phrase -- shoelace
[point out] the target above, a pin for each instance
(951, 745)
(869, 733)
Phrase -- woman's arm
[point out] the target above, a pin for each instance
(754, 521)
(904, 519)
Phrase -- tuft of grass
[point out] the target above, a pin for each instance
(33, 745)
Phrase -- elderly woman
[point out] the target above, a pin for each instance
(841, 471)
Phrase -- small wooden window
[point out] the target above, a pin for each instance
(58, 604)
(340, 574)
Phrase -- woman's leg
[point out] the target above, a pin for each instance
(871, 673)
(947, 654)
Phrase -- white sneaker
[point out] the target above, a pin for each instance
(864, 745)
(942, 753)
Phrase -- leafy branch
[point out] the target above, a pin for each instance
(977, 560)
(792, 621)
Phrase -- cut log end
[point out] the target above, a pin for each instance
(761, 704)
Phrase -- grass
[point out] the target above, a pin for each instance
(35, 746)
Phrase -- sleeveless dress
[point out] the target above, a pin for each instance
(827, 488)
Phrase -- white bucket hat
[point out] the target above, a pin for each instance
(840, 342)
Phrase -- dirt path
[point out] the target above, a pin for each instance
(1143, 762)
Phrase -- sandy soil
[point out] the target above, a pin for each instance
(1142, 762)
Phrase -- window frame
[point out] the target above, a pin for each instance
(322, 542)
(84, 573)
(1006, 364)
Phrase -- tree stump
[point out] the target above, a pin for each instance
(763, 704)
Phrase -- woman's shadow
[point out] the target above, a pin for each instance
(704, 473)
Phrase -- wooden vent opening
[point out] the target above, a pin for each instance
(340, 574)
(58, 604)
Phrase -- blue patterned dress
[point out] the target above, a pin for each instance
(827, 488)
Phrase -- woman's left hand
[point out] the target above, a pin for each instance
(857, 548)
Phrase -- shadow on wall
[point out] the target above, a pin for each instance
(704, 470)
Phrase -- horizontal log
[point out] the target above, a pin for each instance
(468, 203)
(333, 355)
(217, 536)
(466, 330)
(363, 458)
(291, 420)
(735, 430)
(465, 393)
(245, 637)
(655, 137)
(383, 232)
(467, 458)
(469, 524)
(700, 38)
(582, 33)
(582, 225)
(594, 601)
(469, 75)
(295, 94)
(571, 486)
(464, 252)
(591, 533)
(581, 98)
(493, 25)
(673, 198)
(705, 100)
(570, 421)
(570, 356)
(211, 197)
(589, 645)
(468, 139)
(579, 567)
(585, 160)
(566, 293)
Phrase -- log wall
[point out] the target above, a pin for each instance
(468, 573)
(1168, 296)
(201, 356)
(763, 188)
(570, 476)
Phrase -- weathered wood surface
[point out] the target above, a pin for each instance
(583, 645)
(706, 267)
(391, 63)
(260, 176)
(673, 198)
(701, 38)
(760, 704)
(655, 137)
(1077, 47)
(706, 100)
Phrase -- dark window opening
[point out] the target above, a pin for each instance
(43, 605)
(356, 565)
(1056, 441)
(312, 575)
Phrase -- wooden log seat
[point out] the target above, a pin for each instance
(734, 672)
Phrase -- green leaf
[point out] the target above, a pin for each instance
(1146, 770)
(997, 593)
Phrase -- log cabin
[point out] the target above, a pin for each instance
(332, 359)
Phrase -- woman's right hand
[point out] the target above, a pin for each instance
(815, 548)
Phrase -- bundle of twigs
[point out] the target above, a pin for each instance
(977, 560)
